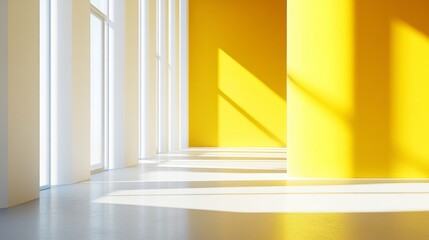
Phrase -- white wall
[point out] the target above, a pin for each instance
(70, 87)
(19, 102)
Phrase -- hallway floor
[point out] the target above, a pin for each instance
(237, 194)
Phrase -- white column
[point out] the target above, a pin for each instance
(19, 101)
(148, 144)
(184, 74)
(163, 77)
(164, 104)
(123, 84)
(70, 82)
(116, 86)
(131, 82)
(173, 83)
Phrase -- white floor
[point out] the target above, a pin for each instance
(221, 194)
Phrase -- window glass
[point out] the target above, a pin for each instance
(97, 90)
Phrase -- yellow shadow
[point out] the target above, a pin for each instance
(250, 114)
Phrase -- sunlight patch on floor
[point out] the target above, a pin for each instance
(355, 198)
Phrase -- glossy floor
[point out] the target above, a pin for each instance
(221, 194)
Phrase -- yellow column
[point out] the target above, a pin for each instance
(357, 82)
(320, 79)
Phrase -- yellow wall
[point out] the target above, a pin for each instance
(357, 88)
(237, 71)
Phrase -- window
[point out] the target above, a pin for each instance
(45, 99)
(98, 86)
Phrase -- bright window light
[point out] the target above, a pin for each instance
(97, 91)
(45, 99)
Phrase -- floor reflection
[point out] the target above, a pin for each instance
(193, 199)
